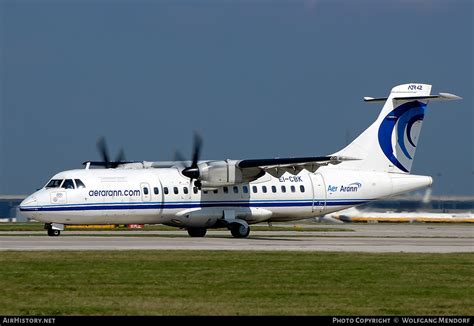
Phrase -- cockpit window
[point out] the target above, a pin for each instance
(68, 184)
(54, 183)
(79, 184)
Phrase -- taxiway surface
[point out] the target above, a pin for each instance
(424, 238)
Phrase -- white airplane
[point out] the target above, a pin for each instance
(199, 195)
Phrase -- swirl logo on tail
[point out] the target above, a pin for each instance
(398, 136)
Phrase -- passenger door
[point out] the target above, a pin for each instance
(319, 192)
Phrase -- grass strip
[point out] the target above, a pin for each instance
(234, 283)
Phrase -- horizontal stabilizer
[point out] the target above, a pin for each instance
(440, 97)
(375, 99)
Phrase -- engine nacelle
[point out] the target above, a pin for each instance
(219, 173)
(225, 173)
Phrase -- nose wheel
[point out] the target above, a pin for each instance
(53, 233)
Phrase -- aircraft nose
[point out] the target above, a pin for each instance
(28, 202)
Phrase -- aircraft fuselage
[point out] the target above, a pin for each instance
(118, 196)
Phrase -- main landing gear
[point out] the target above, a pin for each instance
(54, 229)
(197, 232)
(239, 230)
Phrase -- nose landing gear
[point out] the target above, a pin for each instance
(53, 233)
(54, 229)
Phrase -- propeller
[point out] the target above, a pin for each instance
(102, 147)
(192, 171)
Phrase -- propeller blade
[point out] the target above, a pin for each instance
(101, 145)
(104, 153)
(196, 149)
(120, 156)
(179, 157)
(192, 171)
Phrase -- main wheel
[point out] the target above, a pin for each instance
(53, 233)
(239, 230)
(197, 232)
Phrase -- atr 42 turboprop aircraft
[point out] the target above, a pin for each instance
(198, 195)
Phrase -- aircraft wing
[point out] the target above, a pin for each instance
(278, 166)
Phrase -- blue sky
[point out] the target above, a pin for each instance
(258, 79)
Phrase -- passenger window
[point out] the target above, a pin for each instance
(205, 191)
(264, 189)
(283, 189)
(79, 184)
(293, 189)
(165, 190)
(226, 190)
(236, 190)
(274, 189)
(302, 188)
(254, 189)
(145, 190)
(215, 191)
(185, 190)
(195, 190)
(68, 184)
(245, 189)
(156, 191)
(175, 190)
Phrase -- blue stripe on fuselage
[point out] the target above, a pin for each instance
(182, 205)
